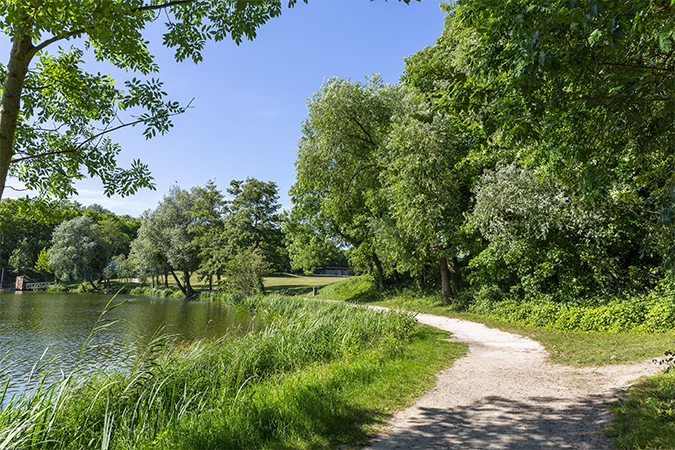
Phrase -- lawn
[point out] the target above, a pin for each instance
(278, 283)
(293, 284)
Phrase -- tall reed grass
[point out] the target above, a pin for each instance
(278, 388)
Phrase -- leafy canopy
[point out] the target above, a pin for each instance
(56, 116)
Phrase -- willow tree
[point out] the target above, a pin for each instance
(337, 194)
(55, 117)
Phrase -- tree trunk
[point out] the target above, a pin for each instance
(445, 281)
(188, 287)
(166, 275)
(180, 285)
(379, 272)
(10, 103)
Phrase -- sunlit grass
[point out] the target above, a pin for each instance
(564, 347)
(646, 419)
(294, 284)
(320, 375)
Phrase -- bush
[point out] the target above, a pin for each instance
(653, 312)
(57, 287)
(355, 289)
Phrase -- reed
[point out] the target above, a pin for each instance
(286, 386)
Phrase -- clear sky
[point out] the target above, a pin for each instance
(250, 100)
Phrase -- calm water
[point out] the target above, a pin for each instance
(49, 329)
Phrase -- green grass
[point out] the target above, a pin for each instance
(293, 284)
(573, 348)
(277, 283)
(319, 376)
(361, 289)
(646, 419)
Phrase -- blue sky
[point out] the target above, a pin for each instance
(250, 100)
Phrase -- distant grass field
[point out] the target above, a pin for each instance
(279, 283)
(293, 284)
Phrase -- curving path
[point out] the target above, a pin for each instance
(506, 394)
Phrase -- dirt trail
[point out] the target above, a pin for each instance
(506, 394)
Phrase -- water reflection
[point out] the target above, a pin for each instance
(53, 328)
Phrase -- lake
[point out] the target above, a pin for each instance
(44, 329)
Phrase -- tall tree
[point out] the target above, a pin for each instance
(583, 90)
(55, 117)
(165, 237)
(74, 251)
(208, 214)
(427, 187)
(254, 222)
(337, 192)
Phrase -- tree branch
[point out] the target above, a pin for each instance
(92, 138)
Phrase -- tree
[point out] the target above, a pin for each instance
(427, 186)
(112, 240)
(74, 251)
(51, 132)
(21, 258)
(245, 272)
(208, 213)
(253, 221)
(165, 239)
(337, 192)
(582, 90)
(145, 257)
(42, 263)
(542, 240)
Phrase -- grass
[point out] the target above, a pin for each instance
(573, 348)
(646, 419)
(294, 284)
(277, 283)
(319, 376)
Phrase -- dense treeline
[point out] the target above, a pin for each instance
(29, 229)
(233, 242)
(528, 154)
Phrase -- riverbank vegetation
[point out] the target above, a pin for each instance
(318, 376)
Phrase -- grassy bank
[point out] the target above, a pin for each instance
(579, 335)
(319, 376)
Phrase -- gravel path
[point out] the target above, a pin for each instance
(506, 394)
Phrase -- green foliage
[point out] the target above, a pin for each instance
(543, 240)
(21, 258)
(74, 250)
(42, 263)
(245, 272)
(166, 240)
(58, 287)
(56, 116)
(361, 289)
(581, 92)
(253, 221)
(648, 313)
(337, 193)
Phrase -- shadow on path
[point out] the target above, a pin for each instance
(499, 423)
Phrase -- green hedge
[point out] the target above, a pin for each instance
(649, 313)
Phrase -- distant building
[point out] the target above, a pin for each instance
(340, 271)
